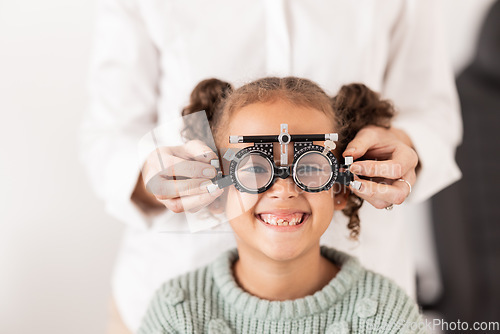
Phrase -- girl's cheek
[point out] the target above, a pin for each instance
(240, 203)
(322, 201)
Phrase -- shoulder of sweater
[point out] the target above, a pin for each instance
(367, 282)
(193, 284)
(381, 286)
(375, 295)
(200, 283)
(389, 302)
(172, 309)
(174, 297)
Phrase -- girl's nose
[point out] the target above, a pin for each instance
(284, 189)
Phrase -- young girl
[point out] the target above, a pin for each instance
(280, 280)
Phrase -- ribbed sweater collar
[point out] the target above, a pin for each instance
(245, 303)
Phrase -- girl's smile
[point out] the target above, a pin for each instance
(284, 220)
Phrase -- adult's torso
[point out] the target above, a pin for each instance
(330, 42)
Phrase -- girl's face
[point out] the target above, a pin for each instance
(249, 214)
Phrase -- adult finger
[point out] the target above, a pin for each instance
(191, 203)
(196, 203)
(162, 161)
(164, 188)
(381, 195)
(410, 177)
(364, 139)
(404, 159)
(371, 192)
(195, 150)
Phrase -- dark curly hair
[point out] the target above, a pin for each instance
(354, 107)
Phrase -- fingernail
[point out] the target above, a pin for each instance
(209, 172)
(350, 150)
(355, 169)
(356, 185)
(203, 185)
(217, 192)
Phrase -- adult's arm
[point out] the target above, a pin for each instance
(123, 80)
(419, 80)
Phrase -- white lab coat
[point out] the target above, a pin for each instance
(150, 54)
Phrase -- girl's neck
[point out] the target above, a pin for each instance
(283, 280)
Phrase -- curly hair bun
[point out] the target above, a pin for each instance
(357, 106)
(207, 95)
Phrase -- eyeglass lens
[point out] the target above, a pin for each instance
(254, 171)
(313, 170)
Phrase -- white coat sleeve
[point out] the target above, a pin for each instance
(419, 80)
(123, 81)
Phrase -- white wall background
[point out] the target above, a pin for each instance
(57, 245)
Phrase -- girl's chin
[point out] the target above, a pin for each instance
(282, 253)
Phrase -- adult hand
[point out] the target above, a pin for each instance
(177, 176)
(389, 157)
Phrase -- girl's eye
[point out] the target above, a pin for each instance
(254, 169)
(309, 169)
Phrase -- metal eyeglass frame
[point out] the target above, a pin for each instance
(303, 145)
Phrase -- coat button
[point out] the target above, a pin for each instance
(218, 326)
(338, 327)
(174, 295)
(366, 307)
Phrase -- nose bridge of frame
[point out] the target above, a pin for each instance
(283, 172)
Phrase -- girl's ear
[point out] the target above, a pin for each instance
(341, 194)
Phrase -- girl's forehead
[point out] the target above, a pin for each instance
(266, 118)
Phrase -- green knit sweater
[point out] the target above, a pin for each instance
(209, 300)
